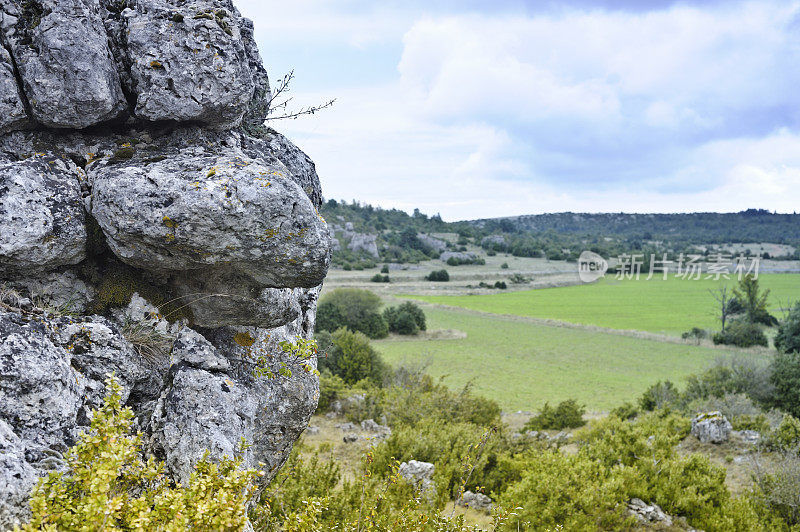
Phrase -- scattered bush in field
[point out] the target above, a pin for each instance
(504, 266)
(378, 278)
(438, 276)
(518, 278)
(786, 437)
(107, 482)
(353, 308)
(567, 415)
(491, 253)
(786, 379)
(347, 266)
(788, 337)
(352, 358)
(501, 285)
(741, 333)
(385, 268)
(696, 333)
(659, 395)
(406, 318)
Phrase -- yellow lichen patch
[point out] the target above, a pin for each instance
(212, 172)
(169, 222)
(244, 339)
(156, 64)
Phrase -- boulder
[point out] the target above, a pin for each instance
(42, 216)
(201, 213)
(61, 51)
(711, 427)
(476, 501)
(648, 513)
(420, 475)
(463, 256)
(432, 242)
(188, 62)
(369, 425)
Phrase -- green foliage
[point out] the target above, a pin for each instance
(786, 379)
(385, 268)
(378, 278)
(406, 318)
(353, 308)
(107, 481)
(788, 337)
(741, 333)
(753, 301)
(504, 266)
(625, 411)
(297, 357)
(786, 437)
(352, 358)
(659, 395)
(735, 375)
(567, 415)
(619, 460)
(438, 276)
(696, 333)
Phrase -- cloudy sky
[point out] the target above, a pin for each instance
(478, 109)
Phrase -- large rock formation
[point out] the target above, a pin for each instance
(153, 228)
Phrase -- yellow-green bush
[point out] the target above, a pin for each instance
(107, 485)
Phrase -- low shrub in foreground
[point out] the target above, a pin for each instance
(567, 415)
(107, 485)
(741, 333)
(438, 276)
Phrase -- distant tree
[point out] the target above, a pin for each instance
(754, 301)
(741, 333)
(407, 318)
(786, 379)
(438, 276)
(787, 339)
(723, 298)
(353, 308)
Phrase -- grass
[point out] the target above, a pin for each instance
(669, 307)
(522, 364)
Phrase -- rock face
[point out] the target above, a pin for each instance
(175, 243)
(711, 427)
(42, 215)
(420, 475)
(648, 513)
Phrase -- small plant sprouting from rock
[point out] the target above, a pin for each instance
(298, 353)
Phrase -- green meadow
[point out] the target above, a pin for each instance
(522, 364)
(669, 306)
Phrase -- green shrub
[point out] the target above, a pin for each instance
(734, 375)
(788, 337)
(438, 276)
(107, 481)
(504, 266)
(400, 321)
(625, 411)
(385, 268)
(352, 358)
(567, 415)
(378, 278)
(500, 285)
(353, 308)
(406, 318)
(786, 379)
(741, 333)
(658, 396)
(696, 333)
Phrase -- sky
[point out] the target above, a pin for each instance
(477, 109)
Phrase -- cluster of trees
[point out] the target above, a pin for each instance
(360, 311)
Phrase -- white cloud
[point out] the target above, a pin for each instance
(680, 109)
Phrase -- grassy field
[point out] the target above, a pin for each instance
(522, 364)
(669, 307)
